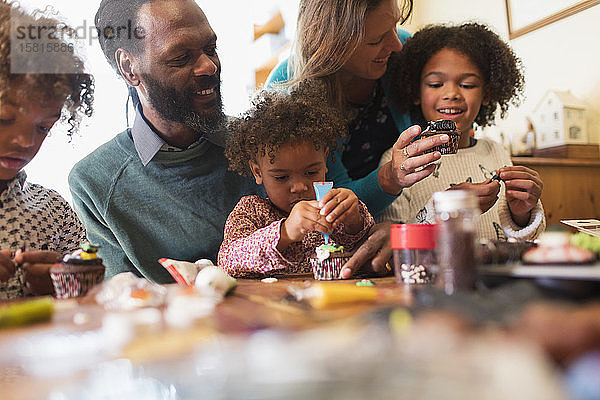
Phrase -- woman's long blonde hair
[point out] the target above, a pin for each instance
(327, 34)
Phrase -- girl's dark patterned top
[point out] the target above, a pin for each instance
(371, 132)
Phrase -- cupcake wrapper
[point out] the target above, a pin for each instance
(448, 148)
(328, 269)
(75, 284)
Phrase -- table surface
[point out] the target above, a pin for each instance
(253, 306)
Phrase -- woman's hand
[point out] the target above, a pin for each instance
(523, 190)
(341, 205)
(37, 265)
(7, 266)
(407, 157)
(486, 192)
(376, 249)
(304, 217)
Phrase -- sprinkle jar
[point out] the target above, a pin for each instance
(413, 246)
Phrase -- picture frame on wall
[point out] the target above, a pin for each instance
(525, 16)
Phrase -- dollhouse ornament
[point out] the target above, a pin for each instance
(560, 118)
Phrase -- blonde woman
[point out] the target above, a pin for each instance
(346, 45)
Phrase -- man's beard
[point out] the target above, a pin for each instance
(178, 106)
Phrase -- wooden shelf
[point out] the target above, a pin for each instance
(571, 186)
(527, 161)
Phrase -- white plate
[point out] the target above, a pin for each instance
(589, 226)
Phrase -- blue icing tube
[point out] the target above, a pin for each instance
(320, 189)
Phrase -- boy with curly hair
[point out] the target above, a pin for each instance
(465, 73)
(283, 141)
(36, 90)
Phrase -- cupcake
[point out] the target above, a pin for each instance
(439, 127)
(556, 248)
(77, 272)
(328, 260)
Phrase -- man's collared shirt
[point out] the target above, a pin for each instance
(148, 143)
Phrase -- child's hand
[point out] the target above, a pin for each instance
(486, 192)
(523, 190)
(7, 266)
(37, 265)
(304, 217)
(341, 205)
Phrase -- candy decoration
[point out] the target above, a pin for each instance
(77, 273)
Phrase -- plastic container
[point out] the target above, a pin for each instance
(457, 213)
(413, 246)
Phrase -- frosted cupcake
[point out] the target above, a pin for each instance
(77, 272)
(556, 248)
(328, 260)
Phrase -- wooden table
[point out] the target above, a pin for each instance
(252, 306)
(262, 307)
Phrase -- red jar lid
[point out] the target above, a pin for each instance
(413, 236)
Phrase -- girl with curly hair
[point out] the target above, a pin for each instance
(41, 81)
(283, 141)
(466, 73)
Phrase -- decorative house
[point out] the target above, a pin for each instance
(559, 119)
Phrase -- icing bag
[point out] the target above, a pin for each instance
(320, 189)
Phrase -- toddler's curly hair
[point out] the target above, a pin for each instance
(502, 70)
(66, 80)
(282, 116)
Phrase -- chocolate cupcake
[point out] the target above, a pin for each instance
(440, 127)
(77, 272)
(328, 260)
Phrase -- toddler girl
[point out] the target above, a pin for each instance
(36, 90)
(466, 73)
(284, 140)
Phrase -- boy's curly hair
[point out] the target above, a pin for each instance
(502, 70)
(67, 79)
(278, 117)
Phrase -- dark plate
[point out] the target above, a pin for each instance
(572, 281)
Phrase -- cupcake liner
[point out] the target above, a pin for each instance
(447, 148)
(71, 281)
(328, 269)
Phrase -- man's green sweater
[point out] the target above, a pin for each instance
(174, 207)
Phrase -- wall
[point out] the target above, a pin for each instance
(561, 56)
